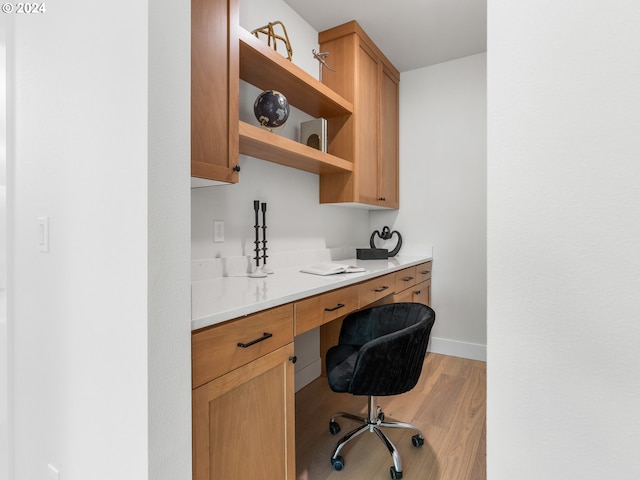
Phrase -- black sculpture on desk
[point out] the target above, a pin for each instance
(386, 235)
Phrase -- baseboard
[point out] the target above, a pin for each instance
(472, 351)
(308, 374)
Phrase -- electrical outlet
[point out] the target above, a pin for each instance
(218, 231)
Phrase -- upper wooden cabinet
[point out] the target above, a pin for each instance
(368, 137)
(222, 53)
(214, 91)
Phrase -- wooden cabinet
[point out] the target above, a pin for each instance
(222, 53)
(375, 289)
(214, 91)
(243, 376)
(414, 284)
(243, 398)
(369, 137)
(326, 307)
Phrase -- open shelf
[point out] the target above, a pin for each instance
(266, 69)
(261, 143)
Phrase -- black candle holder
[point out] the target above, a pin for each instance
(265, 269)
(260, 272)
(257, 273)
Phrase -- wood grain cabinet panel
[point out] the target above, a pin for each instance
(405, 278)
(375, 289)
(244, 422)
(214, 90)
(326, 307)
(369, 138)
(215, 350)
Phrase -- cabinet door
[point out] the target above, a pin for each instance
(243, 422)
(369, 137)
(366, 135)
(389, 135)
(214, 89)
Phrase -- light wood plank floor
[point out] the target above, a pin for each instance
(448, 405)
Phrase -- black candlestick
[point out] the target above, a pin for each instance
(264, 234)
(265, 269)
(256, 226)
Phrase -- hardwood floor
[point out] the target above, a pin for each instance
(448, 405)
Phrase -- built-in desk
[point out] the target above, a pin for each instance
(242, 356)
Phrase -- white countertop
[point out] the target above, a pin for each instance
(219, 299)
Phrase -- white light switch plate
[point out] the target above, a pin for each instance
(43, 234)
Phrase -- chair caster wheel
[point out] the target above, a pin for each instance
(417, 441)
(337, 463)
(334, 428)
(395, 475)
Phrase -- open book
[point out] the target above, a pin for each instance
(330, 268)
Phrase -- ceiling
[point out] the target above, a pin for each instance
(411, 33)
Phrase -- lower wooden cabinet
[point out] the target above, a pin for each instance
(419, 293)
(243, 396)
(414, 284)
(244, 421)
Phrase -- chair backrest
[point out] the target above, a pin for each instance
(393, 342)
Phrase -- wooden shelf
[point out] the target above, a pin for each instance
(265, 68)
(261, 143)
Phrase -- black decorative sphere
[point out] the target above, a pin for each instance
(271, 109)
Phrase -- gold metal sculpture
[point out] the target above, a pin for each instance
(274, 37)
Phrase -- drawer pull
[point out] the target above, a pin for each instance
(381, 289)
(418, 292)
(264, 336)
(426, 272)
(337, 307)
(407, 279)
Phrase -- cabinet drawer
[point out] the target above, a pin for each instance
(423, 272)
(405, 278)
(419, 293)
(375, 289)
(315, 311)
(221, 348)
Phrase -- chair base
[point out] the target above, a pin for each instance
(373, 423)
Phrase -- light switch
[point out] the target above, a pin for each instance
(43, 234)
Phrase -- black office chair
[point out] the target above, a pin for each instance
(380, 352)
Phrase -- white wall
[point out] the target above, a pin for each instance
(563, 240)
(101, 322)
(443, 194)
(4, 345)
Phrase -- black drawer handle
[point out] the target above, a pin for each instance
(426, 272)
(337, 307)
(418, 292)
(264, 336)
(381, 289)
(407, 279)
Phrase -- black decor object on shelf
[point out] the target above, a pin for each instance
(386, 235)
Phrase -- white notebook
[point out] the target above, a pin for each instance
(330, 268)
